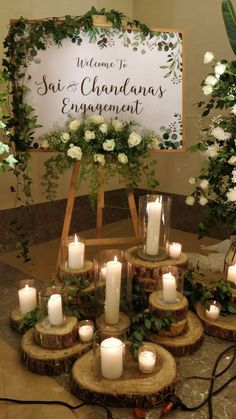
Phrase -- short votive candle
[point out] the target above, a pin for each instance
(27, 299)
(146, 359)
(214, 310)
(231, 275)
(86, 330)
(175, 250)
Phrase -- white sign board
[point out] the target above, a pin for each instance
(116, 74)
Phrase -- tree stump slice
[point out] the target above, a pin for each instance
(185, 344)
(45, 361)
(64, 273)
(148, 272)
(179, 309)
(176, 329)
(224, 327)
(57, 337)
(123, 324)
(15, 321)
(134, 388)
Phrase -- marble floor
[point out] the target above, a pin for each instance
(19, 383)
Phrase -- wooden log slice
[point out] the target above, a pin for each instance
(185, 344)
(57, 337)
(179, 309)
(134, 388)
(224, 327)
(45, 361)
(176, 329)
(64, 273)
(123, 325)
(15, 321)
(148, 272)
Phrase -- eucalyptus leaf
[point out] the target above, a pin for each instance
(229, 17)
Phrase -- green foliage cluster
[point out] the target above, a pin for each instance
(220, 290)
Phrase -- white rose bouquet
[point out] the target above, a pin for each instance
(215, 188)
(113, 145)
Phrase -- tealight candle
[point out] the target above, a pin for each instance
(86, 329)
(76, 254)
(55, 313)
(153, 227)
(231, 276)
(175, 250)
(169, 288)
(214, 311)
(112, 350)
(146, 359)
(27, 299)
(113, 284)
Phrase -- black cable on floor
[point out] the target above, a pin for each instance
(60, 403)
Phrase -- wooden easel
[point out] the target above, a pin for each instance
(100, 205)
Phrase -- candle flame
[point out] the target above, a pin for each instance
(26, 287)
(115, 259)
(76, 239)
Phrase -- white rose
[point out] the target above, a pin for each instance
(74, 125)
(103, 128)
(45, 144)
(4, 148)
(122, 158)
(208, 57)
(204, 184)
(211, 80)
(202, 200)
(117, 124)
(74, 152)
(10, 160)
(219, 68)
(65, 136)
(109, 145)
(233, 176)
(212, 151)
(232, 160)
(134, 139)
(89, 135)
(189, 200)
(97, 119)
(220, 134)
(231, 195)
(233, 110)
(192, 180)
(207, 90)
(99, 158)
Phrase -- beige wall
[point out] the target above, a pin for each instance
(204, 30)
(202, 23)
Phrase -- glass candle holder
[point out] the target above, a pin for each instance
(146, 358)
(154, 226)
(230, 263)
(170, 285)
(27, 295)
(213, 310)
(45, 295)
(174, 250)
(113, 284)
(109, 353)
(72, 253)
(86, 330)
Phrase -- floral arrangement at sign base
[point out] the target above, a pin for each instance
(215, 188)
(113, 146)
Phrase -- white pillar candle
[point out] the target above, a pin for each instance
(86, 333)
(153, 228)
(76, 254)
(175, 250)
(147, 360)
(55, 312)
(231, 276)
(112, 351)
(27, 299)
(112, 299)
(169, 288)
(213, 312)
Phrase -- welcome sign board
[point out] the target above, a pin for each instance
(113, 73)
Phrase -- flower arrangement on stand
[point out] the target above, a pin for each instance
(215, 188)
(114, 145)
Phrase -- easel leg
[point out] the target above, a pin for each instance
(100, 202)
(133, 212)
(69, 207)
